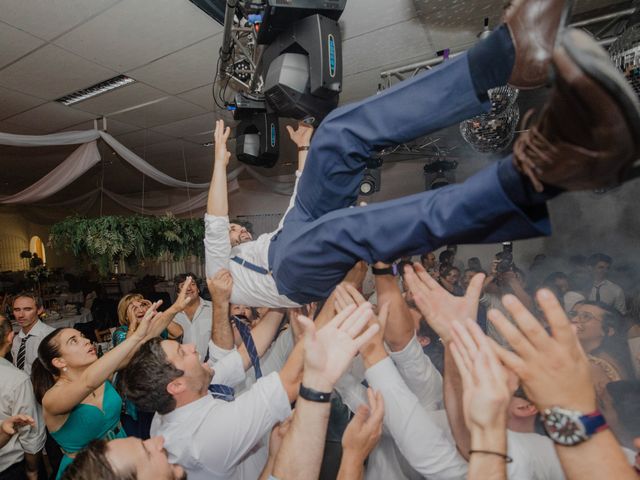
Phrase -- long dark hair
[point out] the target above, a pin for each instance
(43, 372)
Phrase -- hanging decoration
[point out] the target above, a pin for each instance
(87, 155)
(106, 240)
(494, 131)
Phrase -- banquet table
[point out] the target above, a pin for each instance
(69, 320)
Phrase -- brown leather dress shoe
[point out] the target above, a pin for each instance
(534, 27)
(588, 133)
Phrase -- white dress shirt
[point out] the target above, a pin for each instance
(198, 329)
(210, 437)
(36, 334)
(423, 379)
(425, 444)
(611, 294)
(249, 288)
(16, 396)
(272, 361)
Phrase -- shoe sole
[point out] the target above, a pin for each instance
(594, 61)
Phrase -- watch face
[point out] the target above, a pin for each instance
(564, 426)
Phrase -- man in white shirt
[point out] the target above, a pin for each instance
(24, 350)
(320, 238)
(195, 319)
(605, 290)
(19, 456)
(208, 437)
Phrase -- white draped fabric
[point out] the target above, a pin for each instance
(64, 138)
(81, 160)
(87, 155)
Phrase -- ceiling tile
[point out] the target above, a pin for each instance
(169, 110)
(359, 86)
(49, 18)
(114, 127)
(15, 43)
(353, 23)
(50, 117)
(120, 99)
(52, 72)
(8, 127)
(140, 138)
(184, 70)
(189, 127)
(397, 44)
(134, 33)
(14, 102)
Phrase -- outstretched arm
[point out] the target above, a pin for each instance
(555, 372)
(218, 203)
(220, 288)
(301, 136)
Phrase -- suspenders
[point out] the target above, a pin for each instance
(250, 266)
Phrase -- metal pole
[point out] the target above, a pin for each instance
(227, 40)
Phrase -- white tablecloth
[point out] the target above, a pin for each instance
(68, 321)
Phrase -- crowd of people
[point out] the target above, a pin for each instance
(326, 351)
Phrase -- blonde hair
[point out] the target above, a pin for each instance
(123, 306)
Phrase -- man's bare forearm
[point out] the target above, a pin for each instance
(400, 328)
(218, 202)
(221, 332)
(599, 457)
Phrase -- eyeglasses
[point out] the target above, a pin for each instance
(582, 317)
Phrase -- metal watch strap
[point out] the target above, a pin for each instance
(313, 395)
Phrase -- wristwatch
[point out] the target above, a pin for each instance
(392, 270)
(571, 427)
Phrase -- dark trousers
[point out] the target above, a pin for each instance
(14, 472)
(322, 239)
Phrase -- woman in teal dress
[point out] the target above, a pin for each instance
(131, 309)
(74, 386)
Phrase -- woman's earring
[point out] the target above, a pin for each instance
(64, 369)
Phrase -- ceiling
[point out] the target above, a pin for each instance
(50, 48)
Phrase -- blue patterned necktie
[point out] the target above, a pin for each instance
(222, 392)
(247, 339)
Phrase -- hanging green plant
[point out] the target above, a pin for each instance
(106, 240)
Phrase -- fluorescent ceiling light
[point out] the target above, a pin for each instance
(95, 90)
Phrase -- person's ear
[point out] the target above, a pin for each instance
(10, 337)
(59, 363)
(176, 387)
(40, 311)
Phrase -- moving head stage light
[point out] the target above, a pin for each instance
(302, 67)
(258, 140)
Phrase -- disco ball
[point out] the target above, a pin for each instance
(625, 53)
(494, 131)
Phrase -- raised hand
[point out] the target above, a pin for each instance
(220, 137)
(220, 286)
(365, 428)
(346, 295)
(146, 322)
(437, 305)
(485, 381)
(183, 300)
(301, 136)
(11, 425)
(554, 369)
(329, 351)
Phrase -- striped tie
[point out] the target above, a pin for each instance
(247, 339)
(22, 353)
(222, 392)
